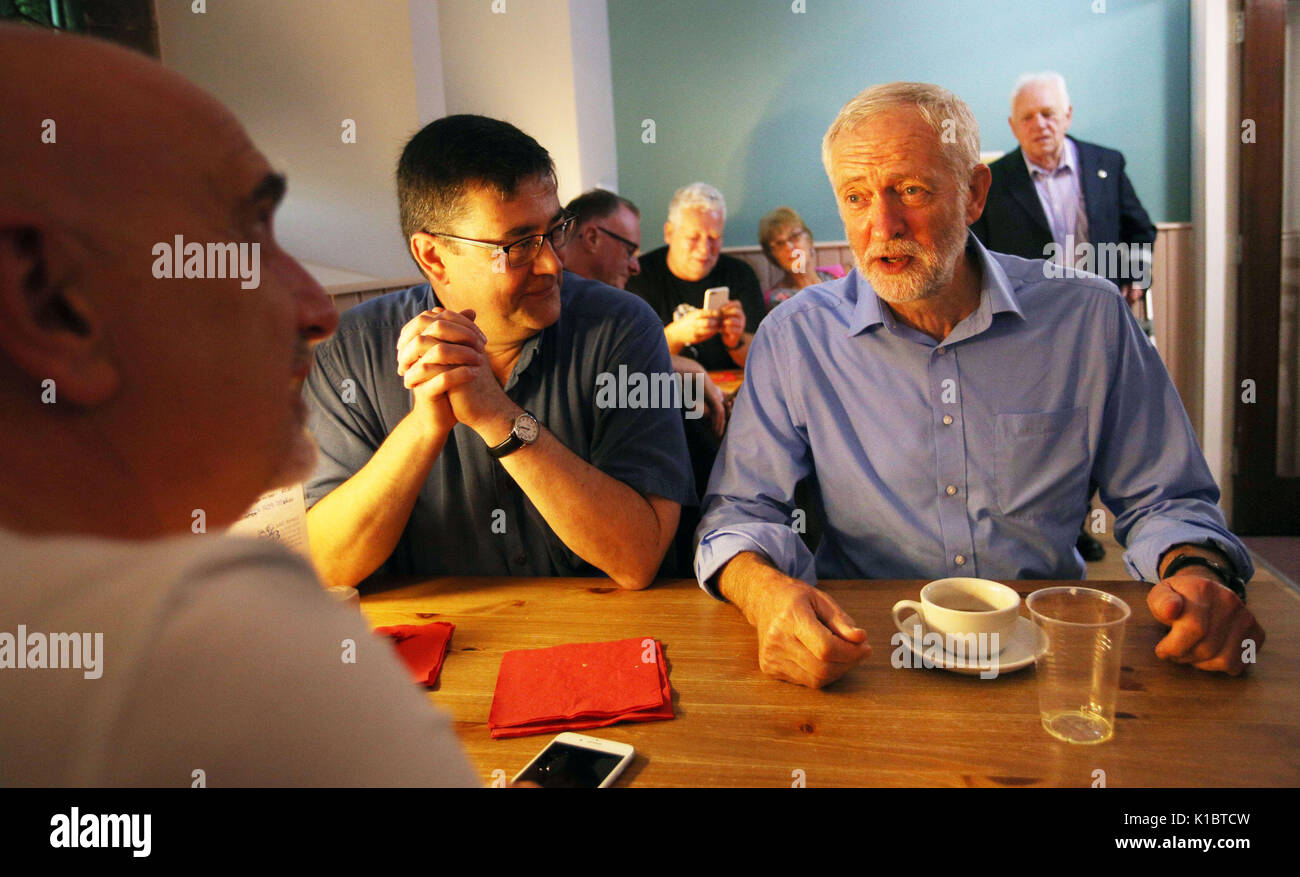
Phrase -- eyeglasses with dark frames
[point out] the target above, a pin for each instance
(523, 251)
(632, 246)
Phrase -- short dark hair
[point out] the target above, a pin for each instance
(597, 204)
(451, 154)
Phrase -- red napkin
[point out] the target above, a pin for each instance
(582, 685)
(421, 647)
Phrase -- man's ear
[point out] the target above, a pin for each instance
(48, 329)
(668, 232)
(590, 237)
(427, 252)
(981, 178)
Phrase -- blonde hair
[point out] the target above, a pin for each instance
(774, 219)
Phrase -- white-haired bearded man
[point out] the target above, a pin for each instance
(954, 408)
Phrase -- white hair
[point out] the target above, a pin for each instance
(696, 196)
(949, 116)
(1047, 77)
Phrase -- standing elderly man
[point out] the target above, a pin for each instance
(954, 406)
(139, 412)
(1059, 197)
(459, 421)
(1054, 189)
(678, 274)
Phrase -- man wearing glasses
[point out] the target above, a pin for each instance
(603, 246)
(458, 420)
(606, 238)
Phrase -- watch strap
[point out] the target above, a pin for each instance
(1233, 581)
(512, 442)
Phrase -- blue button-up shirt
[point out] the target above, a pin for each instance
(975, 455)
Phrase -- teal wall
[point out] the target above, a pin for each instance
(741, 91)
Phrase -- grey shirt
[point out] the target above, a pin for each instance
(470, 517)
(217, 654)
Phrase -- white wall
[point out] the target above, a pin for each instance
(1216, 64)
(543, 66)
(292, 71)
(426, 52)
(593, 89)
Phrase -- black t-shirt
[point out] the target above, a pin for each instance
(665, 291)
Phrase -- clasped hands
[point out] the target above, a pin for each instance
(443, 361)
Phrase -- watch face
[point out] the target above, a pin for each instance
(526, 428)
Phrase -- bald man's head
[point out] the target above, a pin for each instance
(181, 391)
(103, 104)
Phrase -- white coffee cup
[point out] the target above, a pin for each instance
(960, 607)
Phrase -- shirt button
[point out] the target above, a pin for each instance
(521, 559)
(941, 350)
(960, 560)
(950, 490)
(947, 420)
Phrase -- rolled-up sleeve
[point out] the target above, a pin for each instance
(750, 499)
(1150, 470)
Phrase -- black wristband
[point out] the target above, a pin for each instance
(1230, 579)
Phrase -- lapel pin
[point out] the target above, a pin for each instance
(1102, 174)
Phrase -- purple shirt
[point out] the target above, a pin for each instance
(1062, 197)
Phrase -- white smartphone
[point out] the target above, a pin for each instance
(576, 761)
(716, 297)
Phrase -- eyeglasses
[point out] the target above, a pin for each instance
(796, 235)
(525, 250)
(632, 247)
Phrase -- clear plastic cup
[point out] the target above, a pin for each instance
(1078, 663)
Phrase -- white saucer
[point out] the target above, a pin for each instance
(1018, 654)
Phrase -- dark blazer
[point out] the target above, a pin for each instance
(1014, 222)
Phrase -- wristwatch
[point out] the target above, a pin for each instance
(524, 432)
(1234, 582)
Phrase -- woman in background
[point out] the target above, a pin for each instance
(788, 244)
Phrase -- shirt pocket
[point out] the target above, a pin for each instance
(1043, 464)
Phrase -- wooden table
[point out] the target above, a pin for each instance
(877, 726)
